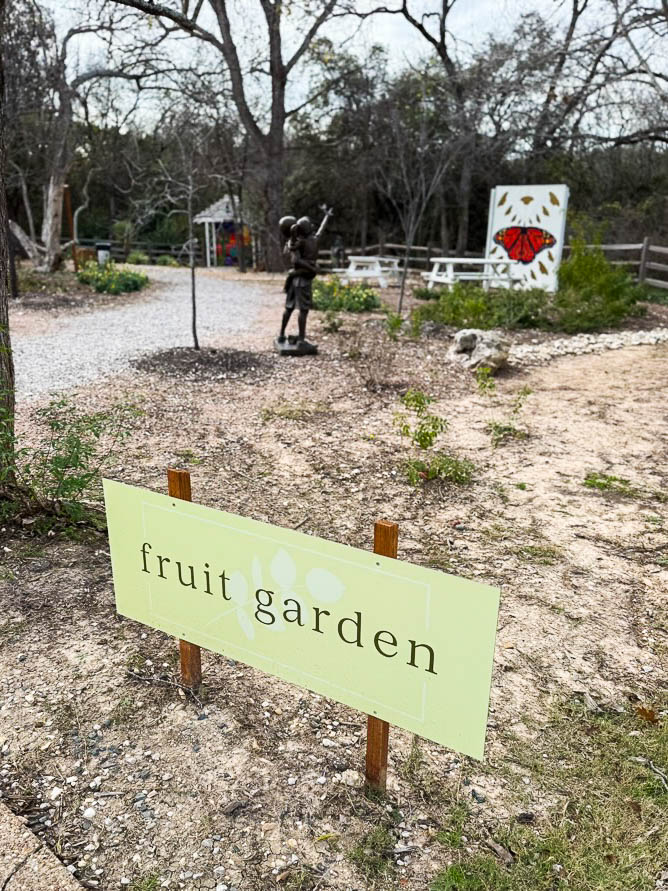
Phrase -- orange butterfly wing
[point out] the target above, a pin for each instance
(522, 243)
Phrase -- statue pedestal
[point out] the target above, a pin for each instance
(291, 346)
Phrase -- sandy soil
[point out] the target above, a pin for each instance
(257, 782)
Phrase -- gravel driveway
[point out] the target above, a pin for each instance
(80, 349)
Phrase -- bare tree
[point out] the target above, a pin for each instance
(414, 156)
(6, 360)
(253, 75)
(54, 99)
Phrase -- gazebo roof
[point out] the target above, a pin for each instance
(221, 211)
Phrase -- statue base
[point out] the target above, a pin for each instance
(292, 346)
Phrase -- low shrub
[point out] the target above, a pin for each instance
(138, 258)
(593, 295)
(459, 471)
(59, 474)
(331, 293)
(111, 279)
(470, 306)
(167, 260)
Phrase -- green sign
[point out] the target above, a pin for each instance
(410, 645)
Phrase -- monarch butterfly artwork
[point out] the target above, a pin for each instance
(522, 243)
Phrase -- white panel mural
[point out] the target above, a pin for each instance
(527, 224)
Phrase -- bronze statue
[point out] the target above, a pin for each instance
(301, 248)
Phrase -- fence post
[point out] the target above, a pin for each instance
(642, 270)
(178, 485)
(385, 540)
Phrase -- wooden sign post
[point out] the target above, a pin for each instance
(385, 542)
(178, 486)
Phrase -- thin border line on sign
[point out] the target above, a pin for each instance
(426, 592)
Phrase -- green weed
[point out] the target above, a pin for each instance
(485, 380)
(447, 468)
(501, 432)
(138, 258)
(148, 883)
(426, 427)
(373, 854)
(393, 323)
(602, 482)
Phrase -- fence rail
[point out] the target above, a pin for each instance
(641, 264)
(646, 260)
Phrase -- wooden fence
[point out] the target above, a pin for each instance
(648, 262)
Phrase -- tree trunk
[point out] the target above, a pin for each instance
(273, 209)
(191, 242)
(6, 359)
(464, 203)
(445, 234)
(53, 222)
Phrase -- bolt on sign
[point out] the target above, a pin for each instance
(409, 645)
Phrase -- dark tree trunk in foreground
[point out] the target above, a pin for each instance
(6, 361)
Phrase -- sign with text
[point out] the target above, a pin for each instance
(409, 645)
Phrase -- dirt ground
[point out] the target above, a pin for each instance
(255, 783)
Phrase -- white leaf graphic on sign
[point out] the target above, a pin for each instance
(324, 586)
(283, 570)
(238, 588)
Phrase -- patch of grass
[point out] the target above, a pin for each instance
(602, 482)
(167, 260)
(147, 883)
(447, 468)
(188, 455)
(412, 767)
(608, 829)
(300, 880)
(373, 854)
(293, 411)
(123, 712)
(330, 293)
(544, 555)
(451, 834)
(521, 486)
(502, 431)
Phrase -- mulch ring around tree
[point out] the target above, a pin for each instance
(208, 364)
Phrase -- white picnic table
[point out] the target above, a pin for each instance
(487, 271)
(379, 268)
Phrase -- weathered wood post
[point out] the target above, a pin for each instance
(178, 485)
(385, 542)
(644, 251)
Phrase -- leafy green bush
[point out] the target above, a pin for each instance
(470, 306)
(331, 293)
(55, 476)
(138, 258)
(593, 295)
(111, 278)
(424, 293)
(167, 260)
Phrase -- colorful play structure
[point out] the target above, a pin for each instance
(224, 234)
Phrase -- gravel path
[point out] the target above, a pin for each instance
(80, 349)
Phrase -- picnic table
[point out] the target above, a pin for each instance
(379, 268)
(488, 270)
